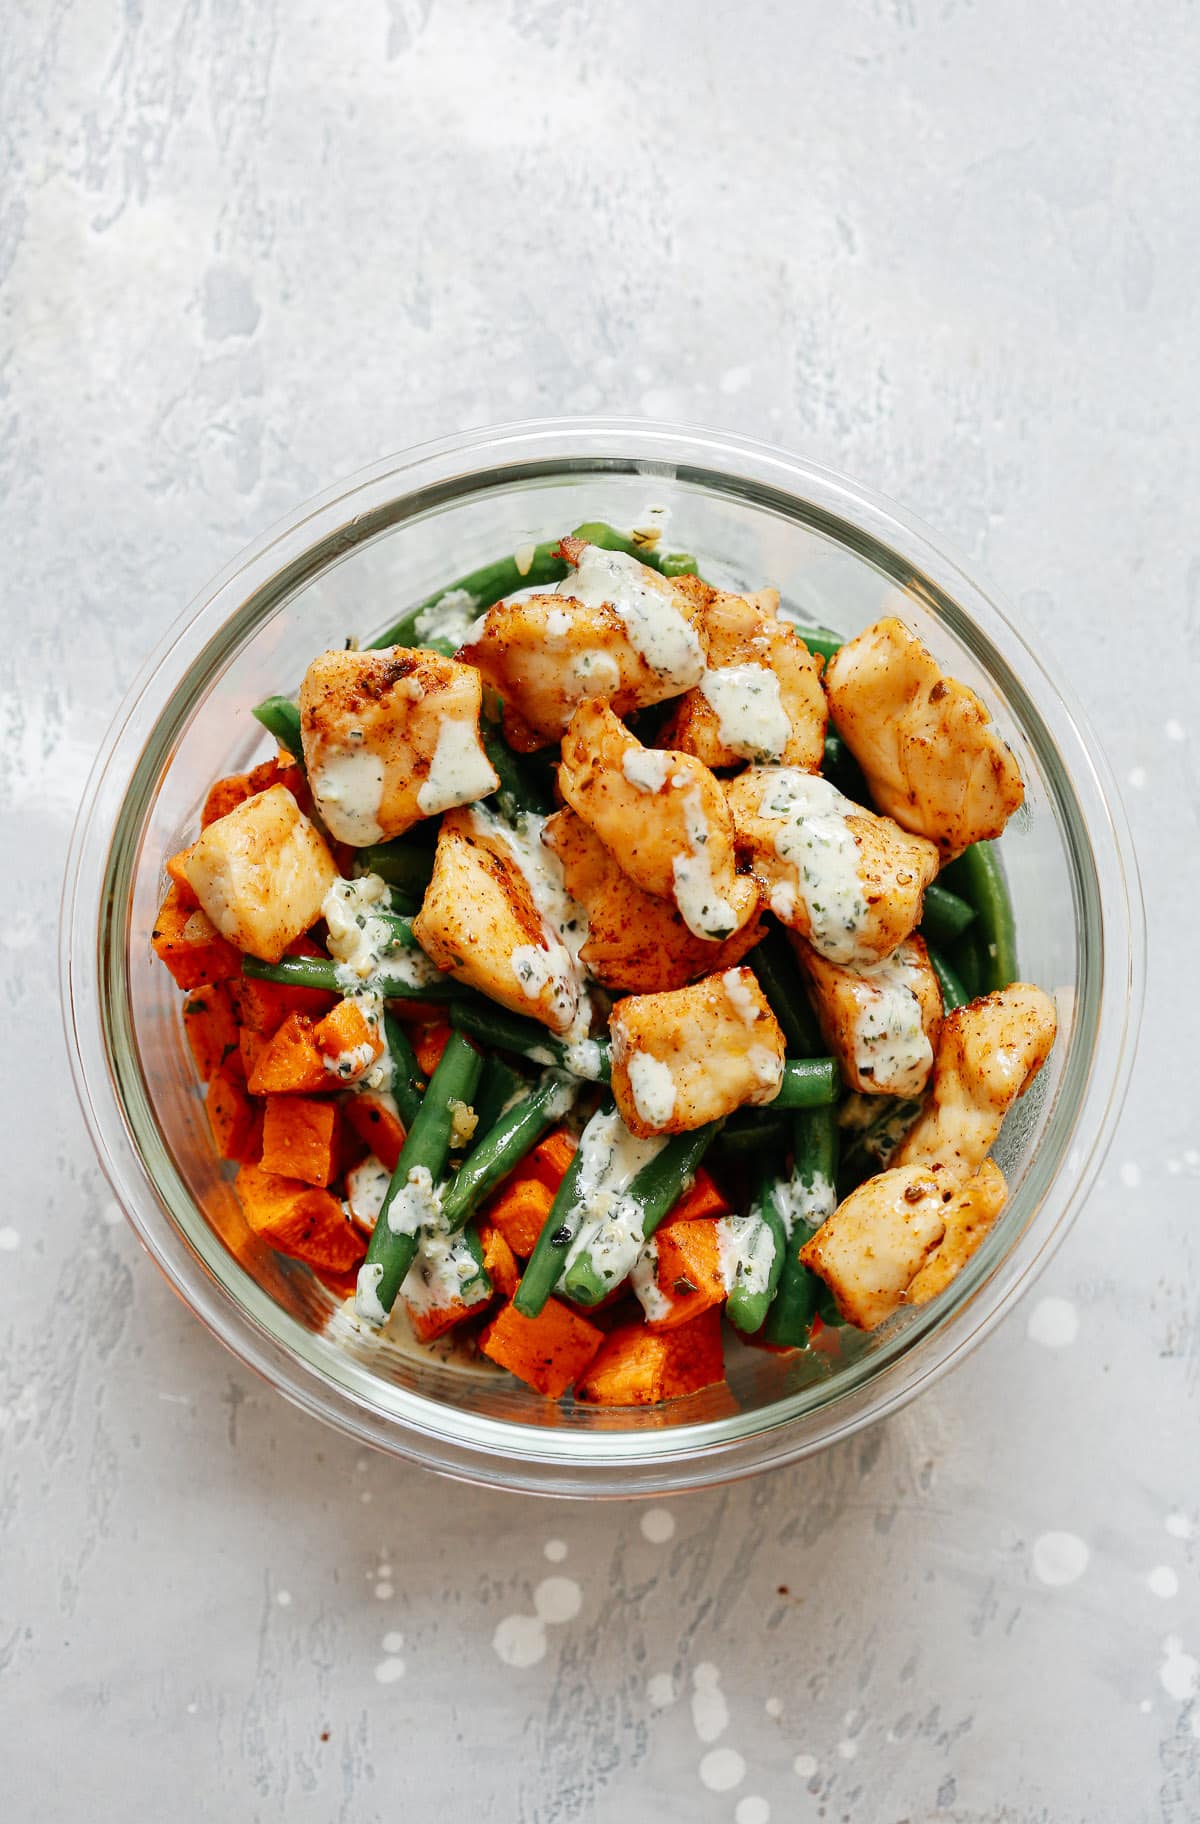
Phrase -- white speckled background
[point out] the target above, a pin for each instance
(949, 248)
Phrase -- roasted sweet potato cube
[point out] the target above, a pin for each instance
(178, 879)
(689, 1271)
(234, 1116)
(226, 794)
(212, 1031)
(428, 1043)
(552, 1155)
(290, 1063)
(639, 1367)
(299, 1219)
(381, 1132)
(185, 939)
(519, 1210)
(348, 1042)
(251, 1045)
(266, 1005)
(546, 1352)
(499, 1261)
(704, 1197)
(300, 1138)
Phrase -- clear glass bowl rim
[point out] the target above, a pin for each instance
(274, 567)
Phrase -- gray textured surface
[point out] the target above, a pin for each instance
(951, 249)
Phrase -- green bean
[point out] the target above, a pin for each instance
(655, 1190)
(492, 1025)
(281, 718)
(490, 583)
(979, 877)
(519, 789)
(321, 973)
(779, 978)
(953, 993)
(391, 1252)
(497, 1152)
(498, 1085)
(842, 769)
(966, 958)
(544, 1267)
(945, 915)
(807, 1083)
(808, 1196)
(408, 1084)
(871, 1150)
(751, 1130)
(671, 563)
(761, 1241)
(406, 869)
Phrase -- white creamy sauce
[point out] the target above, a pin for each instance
(610, 1159)
(585, 1059)
(746, 701)
(360, 943)
(416, 1205)
(451, 617)
(815, 840)
(366, 1188)
(643, 1277)
(653, 1088)
(804, 1200)
(440, 1274)
(745, 1252)
(366, 1293)
(701, 907)
(558, 626)
(348, 788)
(664, 637)
(350, 1065)
(460, 771)
(767, 1066)
(743, 995)
(594, 673)
(540, 969)
(563, 918)
(891, 1046)
(646, 768)
(613, 1242)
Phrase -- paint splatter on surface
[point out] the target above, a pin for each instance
(1059, 1558)
(1054, 1323)
(658, 1525)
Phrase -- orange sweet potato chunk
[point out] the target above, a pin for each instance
(689, 1271)
(548, 1352)
(299, 1219)
(429, 1042)
(264, 1006)
(347, 1044)
(551, 1157)
(380, 1131)
(705, 1198)
(519, 1210)
(640, 1367)
(185, 939)
(300, 1138)
(234, 1116)
(499, 1261)
(290, 1063)
(212, 1031)
(226, 794)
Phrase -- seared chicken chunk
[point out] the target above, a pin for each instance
(614, 629)
(988, 1054)
(926, 743)
(760, 697)
(969, 1217)
(481, 923)
(881, 1021)
(900, 1238)
(693, 1055)
(391, 737)
(876, 1242)
(662, 816)
(636, 942)
(852, 883)
(261, 873)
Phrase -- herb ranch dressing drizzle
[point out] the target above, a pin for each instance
(746, 700)
(451, 617)
(606, 1223)
(348, 788)
(815, 840)
(664, 637)
(460, 771)
(745, 1252)
(701, 907)
(891, 1046)
(653, 1088)
(643, 1277)
(803, 1200)
(556, 963)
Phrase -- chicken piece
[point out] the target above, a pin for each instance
(391, 737)
(636, 942)
(614, 629)
(760, 697)
(881, 1022)
(969, 1217)
(988, 1054)
(261, 873)
(852, 883)
(481, 923)
(901, 1238)
(926, 743)
(695, 1054)
(663, 818)
(876, 1242)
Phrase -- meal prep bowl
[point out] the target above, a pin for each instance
(350, 563)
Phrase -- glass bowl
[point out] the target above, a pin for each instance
(349, 563)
